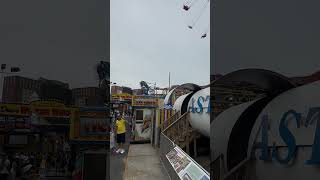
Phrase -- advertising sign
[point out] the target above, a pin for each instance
(185, 167)
(143, 126)
(43, 109)
(89, 124)
(17, 124)
(122, 97)
(93, 126)
(144, 101)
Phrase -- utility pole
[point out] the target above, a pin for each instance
(169, 83)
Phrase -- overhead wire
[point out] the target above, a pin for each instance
(205, 5)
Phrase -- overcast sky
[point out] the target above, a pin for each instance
(282, 36)
(54, 39)
(150, 38)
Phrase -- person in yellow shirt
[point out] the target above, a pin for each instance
(121, 133)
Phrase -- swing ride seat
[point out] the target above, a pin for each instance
(204, 35)
(185, 7)
(188, 5)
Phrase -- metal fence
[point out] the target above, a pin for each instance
(166, 145)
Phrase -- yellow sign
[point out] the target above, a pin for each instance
(144, 101)
(47, 104)
(123, 96)
(89, 126)
(42, 110)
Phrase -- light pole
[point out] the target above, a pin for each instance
(3, 72)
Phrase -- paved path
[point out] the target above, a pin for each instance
(143, 163)
(117, 161)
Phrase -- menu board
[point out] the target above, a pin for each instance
(185, 167)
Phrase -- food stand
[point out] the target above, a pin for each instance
(144, 115)
(25, 126)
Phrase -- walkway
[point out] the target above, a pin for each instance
(143, 163)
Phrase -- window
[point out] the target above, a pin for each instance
(139, 114)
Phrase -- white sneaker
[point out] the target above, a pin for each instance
(118, 150)
(122, 151)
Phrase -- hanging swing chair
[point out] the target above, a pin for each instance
(189, 4)
(186, 8)
(204, 35)
(204, 6)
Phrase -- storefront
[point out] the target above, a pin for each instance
(121, 103)
(144, 110)
(34, 127)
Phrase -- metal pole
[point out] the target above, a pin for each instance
(169, 82)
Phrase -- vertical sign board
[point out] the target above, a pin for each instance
(143, 126)
(186, 167)
(144, 113)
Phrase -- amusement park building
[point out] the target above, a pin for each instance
(271, 136)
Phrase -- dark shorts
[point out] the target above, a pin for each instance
(121, 138)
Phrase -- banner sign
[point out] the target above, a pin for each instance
(142, 125)
(42, 110)
(185, 167)
(8, 124)
(144, 101)
(89, 124)
(142, 131)
(93, 126)
(122, 97)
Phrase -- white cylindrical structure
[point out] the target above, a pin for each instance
(222, 126)
(200, 111)
(303, 100)
(179, 102)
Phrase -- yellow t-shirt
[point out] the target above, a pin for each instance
(121, 126)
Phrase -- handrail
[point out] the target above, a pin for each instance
(237, 167)
(175, 122)
(169, 119)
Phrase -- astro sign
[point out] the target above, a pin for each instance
(289, 139)
(200, 105)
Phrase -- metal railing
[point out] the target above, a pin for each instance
(170, 120)
(180, 132)
(218, 170)
(239, 172)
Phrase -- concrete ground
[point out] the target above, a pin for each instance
(118, 161)
(117, 164)
(143, 163)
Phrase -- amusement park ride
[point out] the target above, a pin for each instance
(204, 4)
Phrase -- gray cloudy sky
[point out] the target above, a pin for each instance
(55, 39)
(150, 38)
(282, 36)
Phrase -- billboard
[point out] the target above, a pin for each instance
(142, 128)
(89, 124)
(41, 108)
(122, 97)
(93, 126)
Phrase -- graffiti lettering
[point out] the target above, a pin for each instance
(289, 139)
(202, 105)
